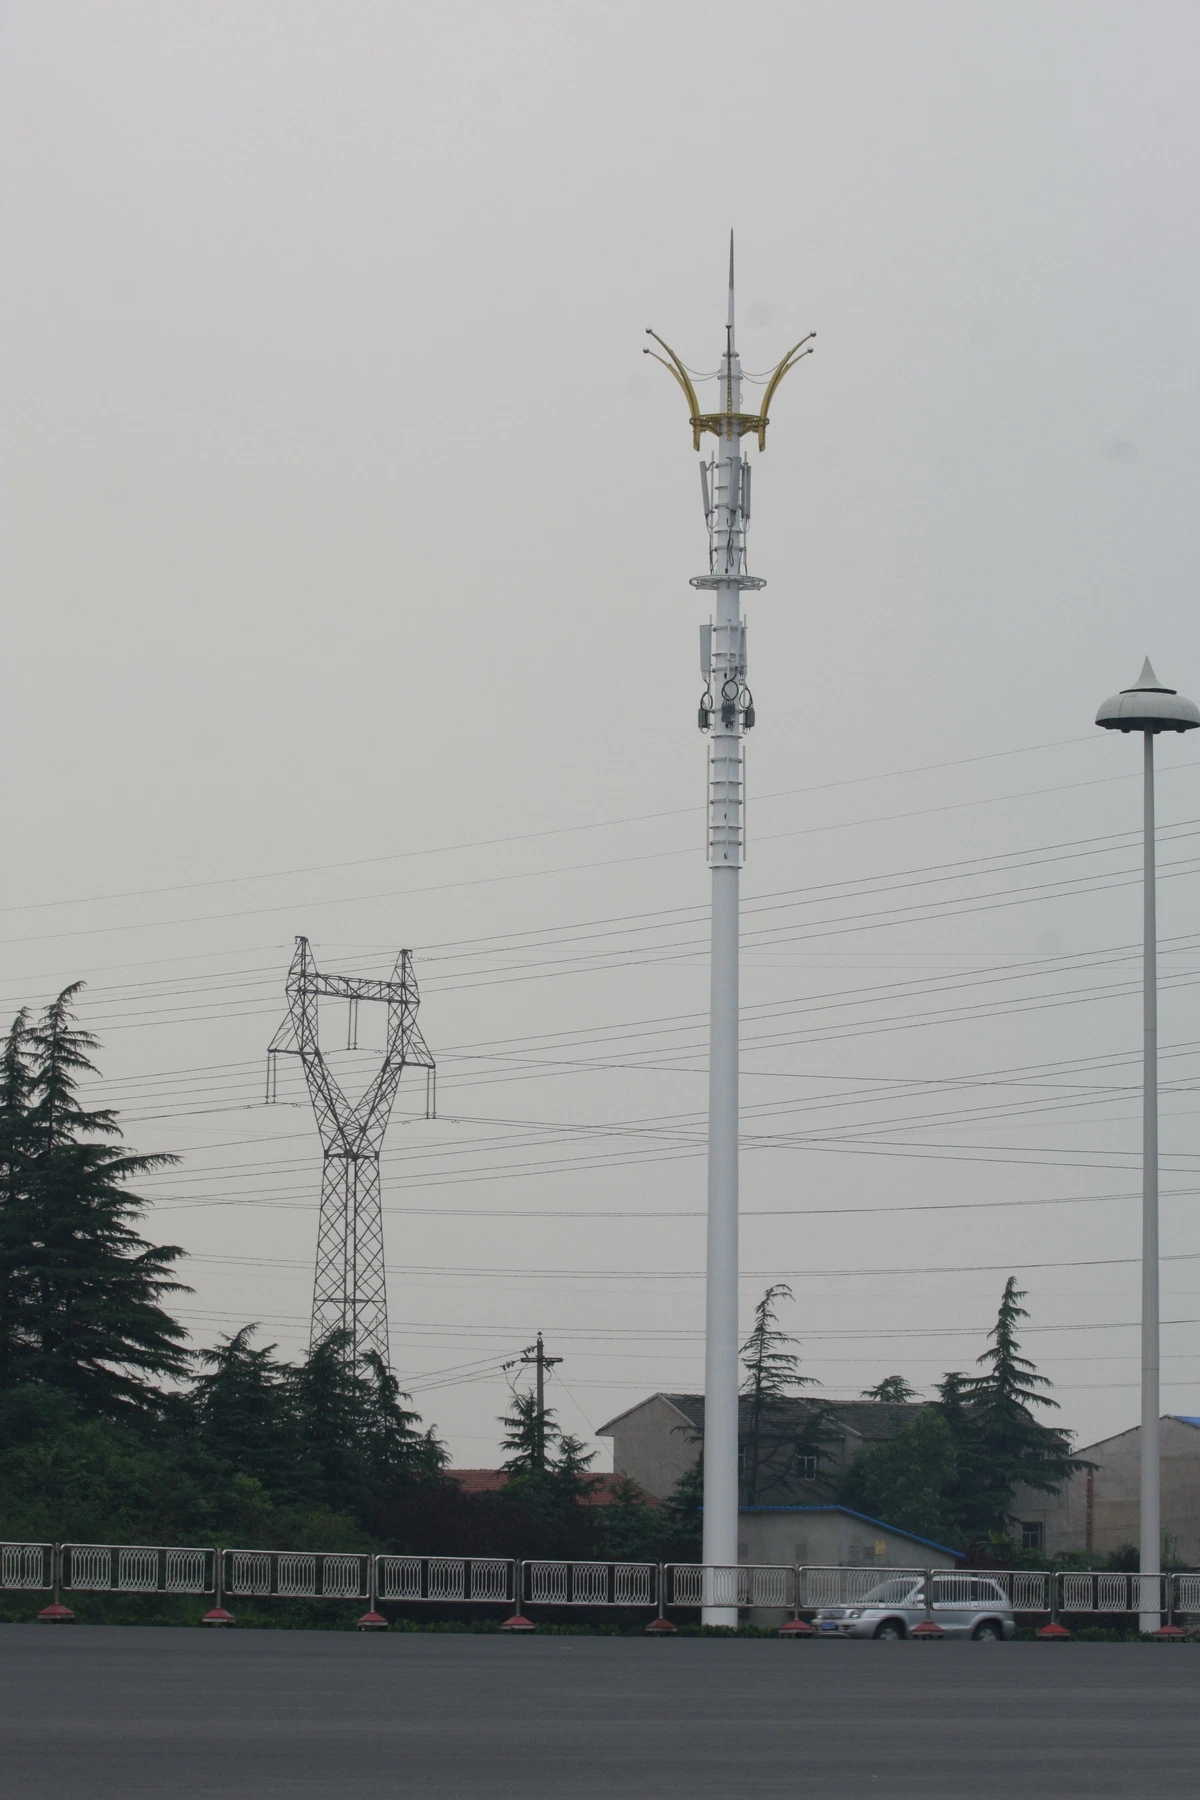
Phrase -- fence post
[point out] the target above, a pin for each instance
(1170, 1630)
(1053, 1632)
(661, 1626)
(796, 1627)
(217, 1614)
(56, 1613)
(372, 1619)
(518, 1623)
(928, 1631)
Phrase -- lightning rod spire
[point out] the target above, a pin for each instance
(729, 321)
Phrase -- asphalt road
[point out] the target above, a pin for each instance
(96, 1712)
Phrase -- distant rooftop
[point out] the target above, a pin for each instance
(873, 1420)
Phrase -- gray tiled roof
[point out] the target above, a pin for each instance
(872, 1420)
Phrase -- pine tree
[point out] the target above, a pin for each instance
(633, 1529)
(969, 1497)
(569, 1473)
(530, 1434)
(333, 1405)
(893, 1390)
(683, 1509)
(15, 1221)
(1013, 1446)
(242, 1404)
(396, 1447)
(82, 1286)
(547, 1468)
(772, 1445)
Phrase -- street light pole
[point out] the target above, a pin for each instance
(1150, 1510)
(726, 713)
(1149, 707)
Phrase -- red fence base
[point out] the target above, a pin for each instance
(372, 1621)
(56, 1614)
(518, 1623)
(660, 1628)
(1054, 1632)
(796, 1628)
(927, 1632)
(218, 1616)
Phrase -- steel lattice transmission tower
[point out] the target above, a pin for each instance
(350, 1287)
(726, 713)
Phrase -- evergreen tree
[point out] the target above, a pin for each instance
(771, 1444)
(15, 1221)
(969, 1497)
(81, 1286)
(530, 1434)
(893, 1389)
(547, 1467)
(908, 1481)
(396, 1447)
(333, 1405)
(569, 1473)
(683, 1509)
(243, 1406)
(633, 1529)
(1013, 1446)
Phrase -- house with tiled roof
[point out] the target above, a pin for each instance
(792, 1518)
(659, 1439)
(1097, 1511)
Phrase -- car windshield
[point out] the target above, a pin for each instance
(894, 1593)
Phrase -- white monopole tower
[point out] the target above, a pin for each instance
(726, 713)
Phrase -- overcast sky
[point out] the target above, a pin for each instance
(347, 594)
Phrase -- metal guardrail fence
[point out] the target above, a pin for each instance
(136, 1569)
(730, 1584)
(845, 1586)
(295, 1574)
(468, 1579)
(1187, 1593)
(26, 1566)
(508, 1581)
(590, 1584)
(1094, 1591)
(1028, 1590)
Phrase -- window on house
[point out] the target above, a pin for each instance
(1033, 1534)
(741, 1459)
(806, 1468)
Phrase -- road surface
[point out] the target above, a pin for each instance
(97, 1712)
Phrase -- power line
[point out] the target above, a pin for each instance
(565, 869)
(529, 836)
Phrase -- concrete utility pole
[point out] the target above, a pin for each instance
(536, 1354)
(726, 712)
(1149, 707)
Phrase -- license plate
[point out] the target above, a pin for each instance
(828, 1625)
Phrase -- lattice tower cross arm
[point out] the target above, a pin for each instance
(360, 1128)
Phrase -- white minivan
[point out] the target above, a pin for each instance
(970, 1606)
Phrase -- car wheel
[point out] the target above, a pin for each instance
(891, 1629)
(988, 1631)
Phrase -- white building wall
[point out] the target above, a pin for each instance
(830, 1536)
(1097, 1510)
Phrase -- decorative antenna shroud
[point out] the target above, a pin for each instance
(726, 712)
(349, 1286)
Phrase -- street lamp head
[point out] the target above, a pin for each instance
(1148, 706)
